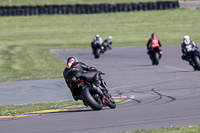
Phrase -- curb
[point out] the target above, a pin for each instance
(117, 99)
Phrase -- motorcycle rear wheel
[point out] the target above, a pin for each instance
(94, 102)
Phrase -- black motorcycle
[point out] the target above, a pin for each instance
(97, 49)
(106, 46)
(194, 58)
(94, 98)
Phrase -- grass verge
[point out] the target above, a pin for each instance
(25, 41)
(7, 110)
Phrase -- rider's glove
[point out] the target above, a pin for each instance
(184, 56)
(100, 72)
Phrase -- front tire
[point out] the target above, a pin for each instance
(197, 62)
(97, 53)
(156, 58)
(111, 103)
(94, 102)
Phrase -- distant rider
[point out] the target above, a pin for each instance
(97, 38)
(107, 43)
(186, 47)
(75, 70)
(153, 40)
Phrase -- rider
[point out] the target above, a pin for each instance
(186, 46)
(108, 42)
(153, 40)
(74, 70)
(96, 38)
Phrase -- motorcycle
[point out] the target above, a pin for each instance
(193, 57)
(106, 46)
(97, 49)
(94, 98)
(155, 54)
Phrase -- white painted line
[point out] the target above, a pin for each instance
(130, 98)
(170, 67)
(125, 101)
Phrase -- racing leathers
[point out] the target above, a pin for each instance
(107, 43)
(186, 48)
(79, 69)
(96, 42)
(153, 41)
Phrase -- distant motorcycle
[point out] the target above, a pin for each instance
(96, 99)
(97, 49)
(106, 46)
(155, 54)
(194, 58)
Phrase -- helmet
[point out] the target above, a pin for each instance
(186, 39)
(110, 37)
(153, 35)
(97, 35)
(70, 61)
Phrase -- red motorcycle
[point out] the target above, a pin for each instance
(155, 53)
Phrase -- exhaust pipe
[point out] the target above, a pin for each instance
(98, 90)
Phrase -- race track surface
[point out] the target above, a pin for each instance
(166, 95)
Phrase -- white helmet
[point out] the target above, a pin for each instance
(70, 61)
(186, 39)
(110, 37)
(97, 35)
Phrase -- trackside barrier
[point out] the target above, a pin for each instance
(85, 9)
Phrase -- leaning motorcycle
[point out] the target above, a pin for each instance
(94, 98)
(106, 46)
(155, 54)
(97, 49)
(194, 58)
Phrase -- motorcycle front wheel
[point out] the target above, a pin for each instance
(156, 58)
(92, 99)
(111, 103)
(197, 62)
(97, 53)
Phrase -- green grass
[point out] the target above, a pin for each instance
(25, 41)
(186, 129)
(7, 110)
(59, 2)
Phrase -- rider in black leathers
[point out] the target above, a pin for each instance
(107, 43)
(76, 69)
(97, 38)
(186, 47)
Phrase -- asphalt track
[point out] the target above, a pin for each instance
(167, 95)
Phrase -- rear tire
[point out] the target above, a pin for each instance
(95, 104)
